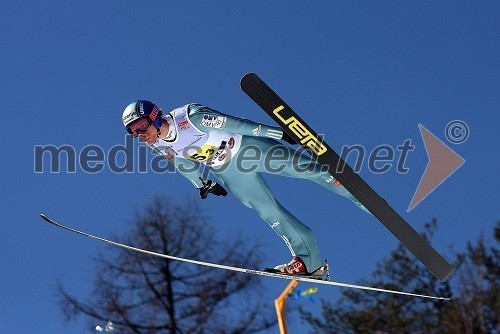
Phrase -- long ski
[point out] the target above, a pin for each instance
(294, 126)
(237, 269)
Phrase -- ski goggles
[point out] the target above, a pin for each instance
(139, 127)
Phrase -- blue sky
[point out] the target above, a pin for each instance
(360, 73)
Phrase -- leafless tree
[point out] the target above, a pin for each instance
(147, 294)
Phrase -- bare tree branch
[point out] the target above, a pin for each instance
(145, 294)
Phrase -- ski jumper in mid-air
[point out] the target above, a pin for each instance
(237, 151)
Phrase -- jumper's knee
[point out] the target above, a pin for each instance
(268, 212)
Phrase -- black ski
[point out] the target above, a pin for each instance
(294, 126)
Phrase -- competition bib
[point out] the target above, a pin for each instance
(214, 148)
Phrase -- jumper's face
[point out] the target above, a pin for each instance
(143, 129)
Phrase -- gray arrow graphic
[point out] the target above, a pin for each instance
(443, 162)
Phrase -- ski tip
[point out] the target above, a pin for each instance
(247, 78)
(44, 217)
(48, 220)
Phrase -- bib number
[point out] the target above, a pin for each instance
(205, 153)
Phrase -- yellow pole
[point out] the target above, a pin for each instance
(279, 303)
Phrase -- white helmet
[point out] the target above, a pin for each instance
(141, 109)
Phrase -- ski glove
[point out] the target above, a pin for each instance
(212, 187)
(286, 137)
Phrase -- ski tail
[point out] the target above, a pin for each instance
(294, 126)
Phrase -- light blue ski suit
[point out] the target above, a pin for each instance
(261, 152)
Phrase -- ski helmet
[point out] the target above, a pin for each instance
(141, 109)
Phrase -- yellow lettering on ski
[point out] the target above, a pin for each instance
(305, 136)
